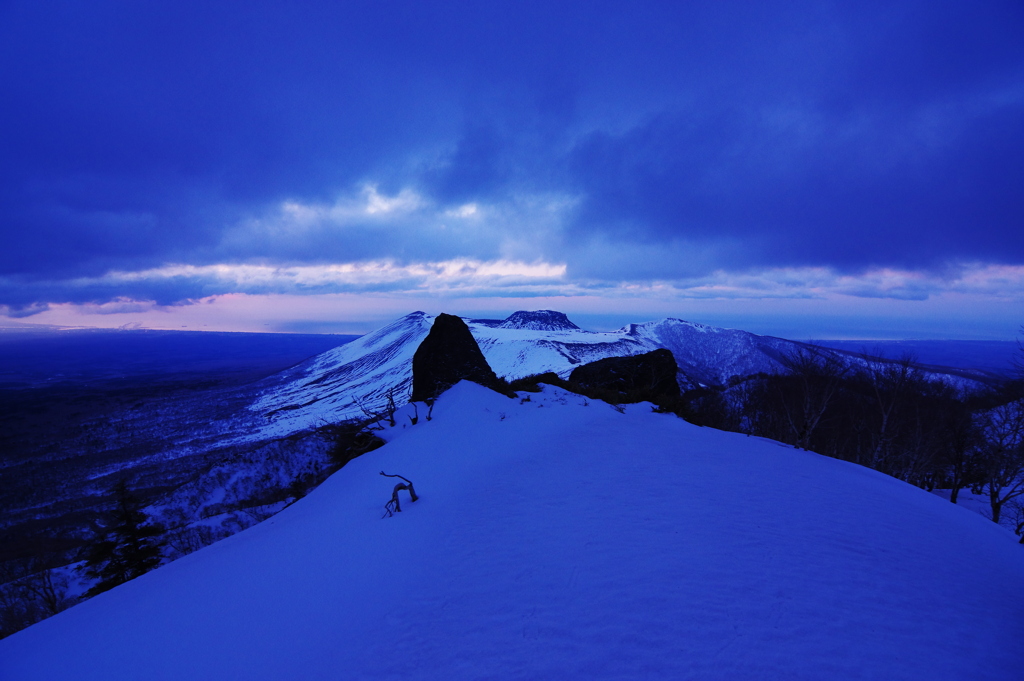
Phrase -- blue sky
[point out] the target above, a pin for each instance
(807, 169)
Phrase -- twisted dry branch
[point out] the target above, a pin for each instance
(394, 506)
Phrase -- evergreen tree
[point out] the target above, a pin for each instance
(129, 548)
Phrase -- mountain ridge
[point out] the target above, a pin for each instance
(356, 378)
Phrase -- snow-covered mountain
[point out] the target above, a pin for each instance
(710, 355)
(340, 383)
(559, 539)
(349, 380)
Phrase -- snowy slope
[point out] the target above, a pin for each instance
(339, 383)
(514, 353)
(712, 355)
(555, 540)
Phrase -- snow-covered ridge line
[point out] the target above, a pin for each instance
(354, 379)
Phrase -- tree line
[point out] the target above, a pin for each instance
(887, 415)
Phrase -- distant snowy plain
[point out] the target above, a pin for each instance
(559, 539)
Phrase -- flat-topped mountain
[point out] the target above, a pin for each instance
(539, 320)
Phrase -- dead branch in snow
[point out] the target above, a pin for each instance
(393, 506)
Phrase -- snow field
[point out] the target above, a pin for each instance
(560, 541)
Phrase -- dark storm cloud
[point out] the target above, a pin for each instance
(810, 187)
(805, 134)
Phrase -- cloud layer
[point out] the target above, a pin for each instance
(169, 152)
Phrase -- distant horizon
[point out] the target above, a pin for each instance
(782, 328)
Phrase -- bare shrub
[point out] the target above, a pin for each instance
(30, 593)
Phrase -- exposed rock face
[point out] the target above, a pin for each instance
(652, 373)
(539, 320)
(446, 356)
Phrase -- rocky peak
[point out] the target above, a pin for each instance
(538, 320)
(652, 373)
(446, 356)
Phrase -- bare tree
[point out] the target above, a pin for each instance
(390, 408)
(1016, 508)
(959, 440)
(373, 419)
(814, 381)
(889, 382)
(30, 592)
(1002, 454)
(350, 439)
(185, 539)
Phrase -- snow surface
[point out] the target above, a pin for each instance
(555, 540)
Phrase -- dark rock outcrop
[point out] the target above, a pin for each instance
(446, 356)
(650, 374)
